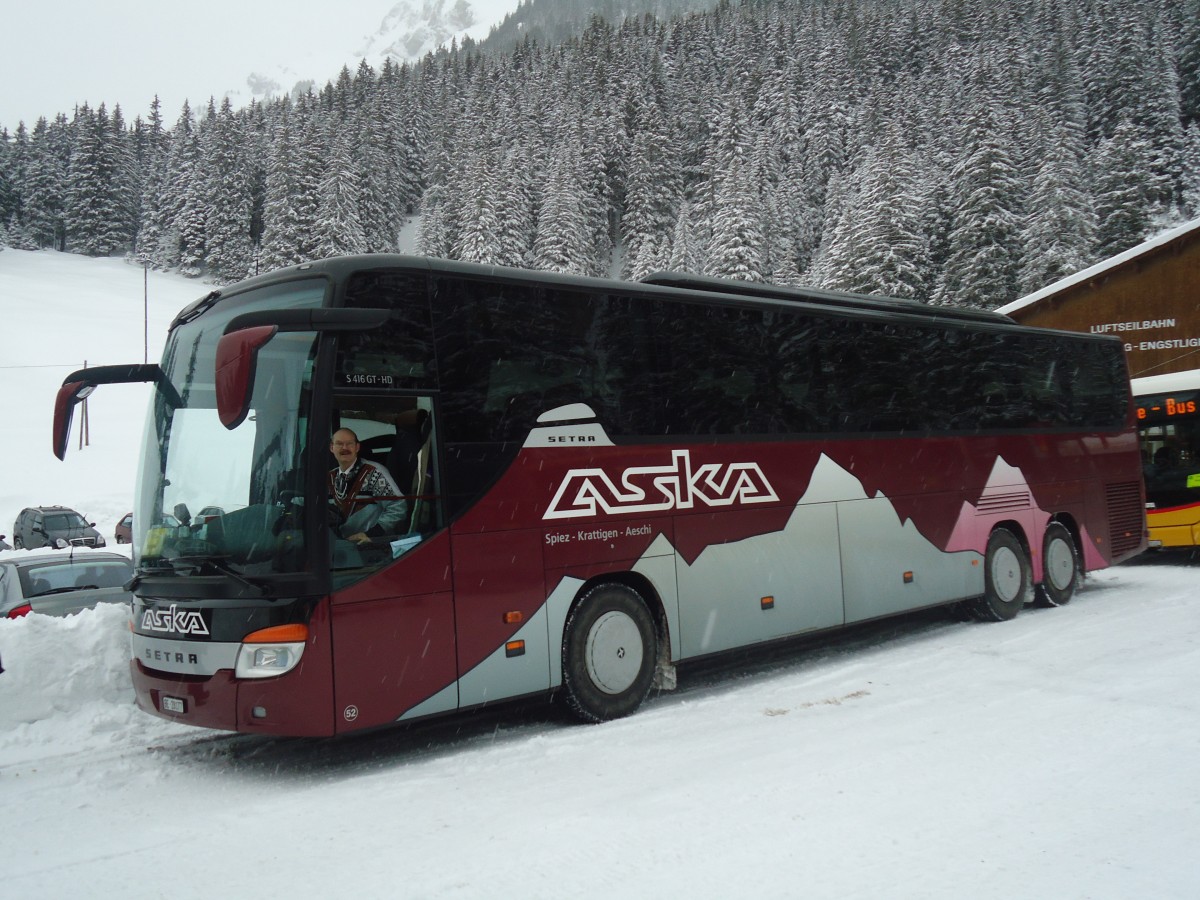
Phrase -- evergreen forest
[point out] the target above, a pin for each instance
(950, 151)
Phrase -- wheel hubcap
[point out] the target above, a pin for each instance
(614, 652)
(1060, 565)
(1006, 575)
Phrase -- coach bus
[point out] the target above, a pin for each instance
(1168, 419)
(600, 480)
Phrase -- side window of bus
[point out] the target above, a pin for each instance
(1096, 372)
(508, 353)
(399, 355)
(370, 525)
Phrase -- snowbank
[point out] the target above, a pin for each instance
(66, 684)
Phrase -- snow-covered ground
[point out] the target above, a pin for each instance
(1054, 756)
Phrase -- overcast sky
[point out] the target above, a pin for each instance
(58, 53)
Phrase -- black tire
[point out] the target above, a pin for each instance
(1006, 579)
(18, 544)
(1060, 568)
(609, 652)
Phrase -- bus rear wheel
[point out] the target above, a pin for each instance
(609, 652)
(1006, 579)
(1060, 568)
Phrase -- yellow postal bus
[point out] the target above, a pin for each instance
(1168, 412)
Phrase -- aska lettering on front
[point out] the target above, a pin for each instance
(641, 489)
(174, 621)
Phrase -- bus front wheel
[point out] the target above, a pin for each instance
(608, 655)
(1060, 568)
(1006, 578)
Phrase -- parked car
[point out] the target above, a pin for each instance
(124, 530)
(59, 584)
(4, 545)
(54, 526)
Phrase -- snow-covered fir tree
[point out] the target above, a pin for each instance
(338, 226)
(227, 196)
(1059, 227)
(652, 193)
(986, 197)
(1124, 188)
(560, 243)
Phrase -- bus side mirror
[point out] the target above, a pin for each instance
(245, 335)
(236, 362)
(79, 384)
(64, 408)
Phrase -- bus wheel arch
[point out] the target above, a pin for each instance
(610, 650)
(1061, 563)
(1008, 575)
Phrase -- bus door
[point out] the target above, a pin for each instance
(393, 607)
(499, 595)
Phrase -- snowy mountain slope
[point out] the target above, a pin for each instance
(413, 28)
(407, 32)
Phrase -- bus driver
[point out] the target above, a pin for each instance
(362, 492)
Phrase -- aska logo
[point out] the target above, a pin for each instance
(642, 489)
(174, 621)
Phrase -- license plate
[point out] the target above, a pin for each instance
(172, 704)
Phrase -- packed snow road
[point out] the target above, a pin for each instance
(1051, 756)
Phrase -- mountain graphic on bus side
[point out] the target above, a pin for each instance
(812, 585)
(1007, 495)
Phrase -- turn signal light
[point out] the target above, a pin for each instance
(513, 618)
(278, 634)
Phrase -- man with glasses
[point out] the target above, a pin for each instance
(363, 493)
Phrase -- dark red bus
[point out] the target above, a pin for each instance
(598, 480)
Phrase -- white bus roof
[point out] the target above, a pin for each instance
(1171, 381)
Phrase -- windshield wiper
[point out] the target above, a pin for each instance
(63, 590)
(218, 565)
(198, 308)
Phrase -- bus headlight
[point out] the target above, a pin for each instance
(271, 651)
(267, 660)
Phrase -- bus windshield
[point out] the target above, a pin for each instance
(212, 500)
(1168, 417)
(1169, 429)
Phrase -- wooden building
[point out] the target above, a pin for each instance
(1149, 296)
